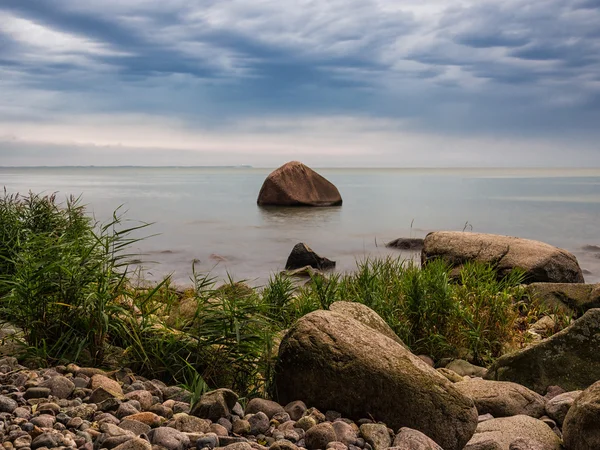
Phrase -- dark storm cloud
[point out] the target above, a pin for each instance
(512, 67)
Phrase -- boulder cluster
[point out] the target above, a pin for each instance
(343, 382)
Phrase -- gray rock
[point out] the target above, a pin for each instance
(209, 440)
(335, 362)
(541, 262)
(376, 435)
(569, 359)
(259, 423)
(502, 398)
(60, 387)
(450, 375)
(581, 428)
(408, 439)
(169, 438)
(7, 404)
(126, 409)
(319, 436)
(558, 407)
(215, 404)
(269, 407)
(501, 433)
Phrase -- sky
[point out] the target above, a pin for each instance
(337, 83)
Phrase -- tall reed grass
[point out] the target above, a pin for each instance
(66, 281)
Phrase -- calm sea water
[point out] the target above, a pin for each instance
(210, 214)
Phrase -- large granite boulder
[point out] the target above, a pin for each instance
(541, 262)
(295, 184)
(572, 298)
(581, 428)
(499, 434)
(337, 363)
(367, 316)
(569, 359)
(502, 398)
(302, 255)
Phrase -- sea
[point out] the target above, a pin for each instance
(207, 217)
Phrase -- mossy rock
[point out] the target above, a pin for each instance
(337, 363)
(569, 359)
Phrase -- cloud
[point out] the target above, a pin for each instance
(466, 69)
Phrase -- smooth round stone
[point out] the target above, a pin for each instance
(36, 392)
(44, 421)
(27, 426)
(7, 404)
(209, 440)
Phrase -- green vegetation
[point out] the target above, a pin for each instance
(66, 282)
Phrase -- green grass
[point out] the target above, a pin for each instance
(67, 282)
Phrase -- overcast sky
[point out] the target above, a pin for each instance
(332, 83)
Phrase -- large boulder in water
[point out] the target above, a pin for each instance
(541, 262)
(581, 429)
(295, 184)
(334, 362)
(569, 359)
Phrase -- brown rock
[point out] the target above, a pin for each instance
(319, 436)
(269, 407)
(501, 398)
(499, 434)
(107, 384)
(337, 363)
(408, 439)
(541, 262)
(581, 429)
(148, 418)
(558, 407)
(295, 184)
